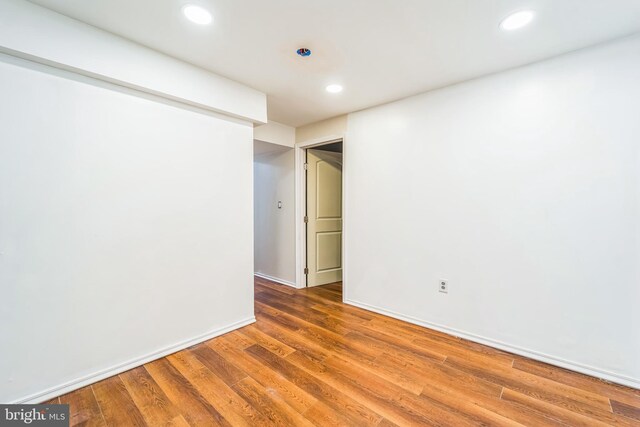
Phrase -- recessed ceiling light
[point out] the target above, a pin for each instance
(197, 14)
(334, 88)
(517, 20)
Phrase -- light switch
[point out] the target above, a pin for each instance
(279, 204)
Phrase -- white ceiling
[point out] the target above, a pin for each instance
(379, 50)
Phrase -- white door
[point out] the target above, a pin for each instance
(324, 217)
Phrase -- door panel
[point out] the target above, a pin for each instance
(324, 212)
(328, 251)
(329, 191)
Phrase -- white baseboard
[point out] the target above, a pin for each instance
(552, 360)
(276, 279)
(70, 386)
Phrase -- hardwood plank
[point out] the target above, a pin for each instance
(398, 327)
(341, 344)
(306, 313)
(429, 373)
(83, 408)
(194, 408)
(266, 341)
(386, 423)
(117, 406)
(236, 337)
(325, 293)
(377, 347)
(341, 313)
(622, 394)
(559, 414)
(275, 316)
(324, 337)
(436, 411)
(519, 414)
(221, 396)
(336, 287)
(272, 406)
(625, 410)
(570, 398)
(401, 378)
(270, 380)
(318, 299)
(272, 295)
(391, 342)
(462, 351)
(355, 411)
(322, 415)
(155, 406)
(291, 338)
(378, 397)
(442, 380)
(229, 373)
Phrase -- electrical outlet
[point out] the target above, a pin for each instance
(443, 286)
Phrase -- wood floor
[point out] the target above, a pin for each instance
(311, 360)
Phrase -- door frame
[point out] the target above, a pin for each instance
(301, 201)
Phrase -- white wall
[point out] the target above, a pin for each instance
(125, 229)
(44, 36)
(523, 190)
(275, 133)
(275, 229)
(334, 127)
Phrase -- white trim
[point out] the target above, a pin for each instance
(546, 358)
(299, 216)
(300, 184)
(276, 279)
(70, 386)
(345, 214)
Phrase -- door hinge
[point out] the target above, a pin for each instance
(306, 166)
(306, 219)
(306, 270)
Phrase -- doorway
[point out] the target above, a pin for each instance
(323, 218)
(320, 190)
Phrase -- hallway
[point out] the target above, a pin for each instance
(311, 360)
